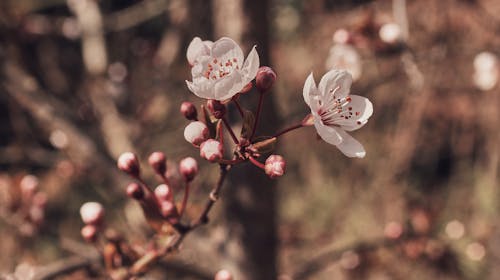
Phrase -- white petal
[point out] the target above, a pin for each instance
(361, 109)
(202, 89)
(229, 86)
(329, 134)
(225, 48)
(195, 49)
(350, 146)
(337, 81)
(309, 88)
(251, 65)
(200, 66)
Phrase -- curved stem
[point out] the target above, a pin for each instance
(231, 132)
(184, 200)
(257, 115)
(239, 107)
(288, 129)
(257, 163)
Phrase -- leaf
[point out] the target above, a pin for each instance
(266, 145)
(248, 122)
(210, 121)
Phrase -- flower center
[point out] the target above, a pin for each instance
(217, 69)
(336, 110)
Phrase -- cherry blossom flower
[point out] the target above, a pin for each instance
(198, 48)
(335, 111)
(344, 56)
(219, 71)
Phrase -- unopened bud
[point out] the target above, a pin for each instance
(223, 275)
(128, 163)
(275, 166)
(196, 133)
(265, 78)
(89, 233)
(168, 210)
(211, 150)
(40, 199)
(37, 214)
(163, 193)
(188, 167)
(135, 191)
(158, 161)
(216, 108)
(188, 110)
(92, 213)
(390, 33)
(341, 36)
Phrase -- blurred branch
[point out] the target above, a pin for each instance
(135, 15)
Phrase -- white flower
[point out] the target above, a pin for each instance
(486, 71)
(219, 71)
(335, 111)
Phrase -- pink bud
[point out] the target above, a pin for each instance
(216, 108)
(188, 167)
(92, 213)
(40, 199)
(135, 191)
(89, 233)
(341, 36)
(211, 150)
(223, 275)
(28, 185)
(168, 210)
(37, 214)
(163, 193)
(265, 78)
(188, 110)
(196, 133)
(275, 166)
(128, 163)
(158, 161)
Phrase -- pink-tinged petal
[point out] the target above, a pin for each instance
(328, 134)
(309, 88)
(251, 65)
(225, 49)
(360, 109)
(200, 67)
(350, 146)
(229, 86)
(195, 49)
(337, 82)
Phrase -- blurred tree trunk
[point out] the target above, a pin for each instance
(250, 248)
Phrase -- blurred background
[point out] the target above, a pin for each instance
(82, 81)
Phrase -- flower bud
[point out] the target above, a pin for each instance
(211, 150)
(89, 233)
(223, 275)
(390, 33)
(196, 133)
(40, 199)
(135, 191)
(341, 36)
(188, 167)
(265, 78)
(128, 163)
(28, 185)
(216, 108)
(163, 193)
(275, 166)
(158, 161)
(92, 213)
(188, 110)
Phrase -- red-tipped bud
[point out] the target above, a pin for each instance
(275, 166)
(342, 36)
(164, 193)
(223, 275)
(265, 78)
(188, 167)
(135, 191)
(40, 199)
(158, 161)
(89, 233)
(128, 163)
(92, 213)
(211, 150)
(37, 214)
(188, 110)
(196, 133)
(216, 108)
